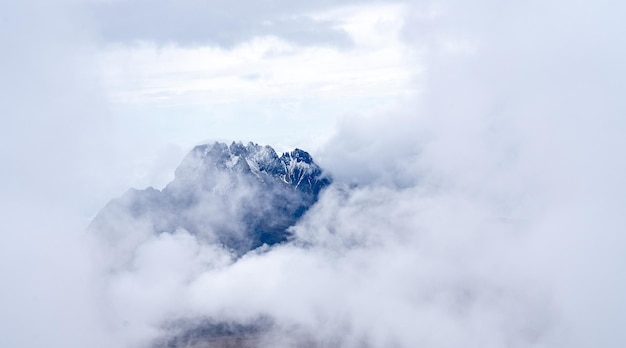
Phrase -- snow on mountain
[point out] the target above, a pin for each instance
(238, 196)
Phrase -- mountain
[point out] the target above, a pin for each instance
(238, 196)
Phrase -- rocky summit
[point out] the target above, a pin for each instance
(238, 196)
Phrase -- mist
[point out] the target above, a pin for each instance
(484, 211)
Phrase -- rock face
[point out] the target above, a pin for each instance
(238, 196)
(205, 333)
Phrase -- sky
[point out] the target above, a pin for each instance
(476, 151)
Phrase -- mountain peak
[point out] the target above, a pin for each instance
(239, 196)
(299, 156)
(295, 168)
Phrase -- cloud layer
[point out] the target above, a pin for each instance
(192, 22)
(487, 212)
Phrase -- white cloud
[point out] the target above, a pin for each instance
(217, 22)
(488, 211)
(263, 69)
(264, 89)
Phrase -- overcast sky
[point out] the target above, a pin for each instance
(485, 141)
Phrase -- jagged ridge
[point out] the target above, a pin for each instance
(239, 196)
(295, 168)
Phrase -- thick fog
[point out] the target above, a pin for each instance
(487, 210)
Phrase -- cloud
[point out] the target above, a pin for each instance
(518, 117)
(150, 289)
(485, 213)
(265, 89)
(50, 124)
(218, 23)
